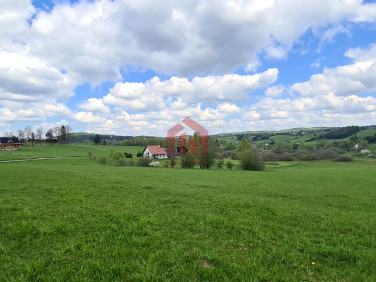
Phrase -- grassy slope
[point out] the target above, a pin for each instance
(363, 133)
(73, 219)
(47, 151)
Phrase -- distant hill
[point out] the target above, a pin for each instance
(295, 135)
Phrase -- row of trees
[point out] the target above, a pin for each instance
(53, 135)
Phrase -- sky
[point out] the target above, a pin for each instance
(138, 67)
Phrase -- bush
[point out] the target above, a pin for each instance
(250, 157)
(144, 162)
(155, 164)
(343, 159)
(121, 162)
(325, 154)
(131, 162)
(102, 160)
(187, 161)
(116, 155)
(269, 157)
(128, 155)
(229, 164)
(172, 162)
(220, 163)
(229, 154)
(139, 154)
(206, 161)
(306, 156)
(286, 157)
(252, 160)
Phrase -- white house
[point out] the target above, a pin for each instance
(154, 152)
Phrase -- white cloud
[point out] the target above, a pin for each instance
(88, 117)
(93, 40)
(315, 65)
(275, 90)
(44, 56)
(14, 16)
(228, 108)
(20, 111)
(359, 77)
(153, 94)
(330, 34)
(24, 78)
(94, 105)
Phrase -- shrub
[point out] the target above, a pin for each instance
(329, 153)
(286, 157)
(229, 164)
(155, 164)
(112, 153)
(206, 161)
(187, 161)
(121, 162)
(251, 160)
(116, 155)
(220, 163)
(250, 157)
(229, 154)
(269, 157)
(102, 160)
(343, 159)
(305, 156)
(144, 162)
(165, 164)
(128, 155)
(173, 162)
(139, 154)
(131, 162)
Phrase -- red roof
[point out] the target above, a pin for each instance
(156, 150)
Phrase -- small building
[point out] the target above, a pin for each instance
(9, 144)
(154, 152)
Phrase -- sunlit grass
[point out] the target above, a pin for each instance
(73, 219)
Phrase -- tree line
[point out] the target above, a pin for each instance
(60, 135)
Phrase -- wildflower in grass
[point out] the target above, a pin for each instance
(313, 263)
(274, 241)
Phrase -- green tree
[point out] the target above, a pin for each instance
(63, 134)
(206, 160)
(187, 161)
(97, 139)
(250, 158)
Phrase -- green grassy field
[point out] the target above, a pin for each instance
(363, 133)
(47, 151)
(73, 219)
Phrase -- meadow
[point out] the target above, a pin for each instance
(73, 219)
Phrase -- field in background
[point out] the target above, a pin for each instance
(56, 150)
(75, 219)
